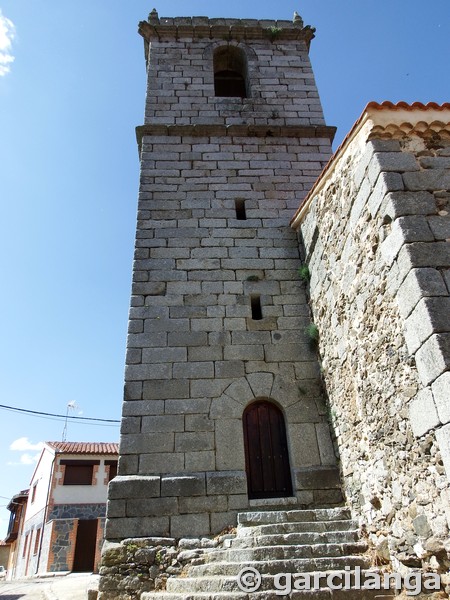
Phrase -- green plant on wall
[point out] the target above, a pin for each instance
(331, 414)
(304, 274)
(274, 32)
(312, 332)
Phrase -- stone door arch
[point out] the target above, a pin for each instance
(266, 451)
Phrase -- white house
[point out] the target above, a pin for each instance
(65, 513)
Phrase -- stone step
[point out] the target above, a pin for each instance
(197, 596)
(322, 594)
(285, 516)
(187, 586)
(272, 567)
(298, 527)
(286, 551)
(298, 542)
(328, 537)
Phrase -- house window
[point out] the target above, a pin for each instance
(25, 546)
(33, 493)
(36, 541)
(230, 72)
(79, 472)
(112, 471)
(78, 475)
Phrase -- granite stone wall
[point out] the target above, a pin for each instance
(62, 545)
(281, 89)
(376, 240)
(77, 511)
(197, 355)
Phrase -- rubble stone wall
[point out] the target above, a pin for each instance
(376, 240)
(137, 565)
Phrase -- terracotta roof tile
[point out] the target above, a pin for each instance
(85, 447)
(405, 106)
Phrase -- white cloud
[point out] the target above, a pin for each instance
(7, 33)
(28, 459)
(22, 444)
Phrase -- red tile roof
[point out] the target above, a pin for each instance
(405, 106)
(84, 447)
(386, 105)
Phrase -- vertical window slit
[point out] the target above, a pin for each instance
(255, 301)
(240, 210)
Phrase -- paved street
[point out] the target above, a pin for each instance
(68, 587)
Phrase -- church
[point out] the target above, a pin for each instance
(288, 352)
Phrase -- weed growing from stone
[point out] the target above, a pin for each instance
(274, 32)
(312, 332)
(304, 274)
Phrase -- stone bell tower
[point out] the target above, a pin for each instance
(223, 407)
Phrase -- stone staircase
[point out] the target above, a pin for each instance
(279, 541)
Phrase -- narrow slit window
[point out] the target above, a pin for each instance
(255, 300)
(241, 215)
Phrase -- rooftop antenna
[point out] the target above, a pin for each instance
(70, 406)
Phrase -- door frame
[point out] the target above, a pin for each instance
(80, 541)
(289, 490)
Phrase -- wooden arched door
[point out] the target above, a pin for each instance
(266, 451)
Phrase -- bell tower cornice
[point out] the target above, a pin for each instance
(223, 29)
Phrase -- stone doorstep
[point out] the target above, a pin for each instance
(272, 502)
(50, 575)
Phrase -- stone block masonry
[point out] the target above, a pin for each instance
(180, 90)
(218, 313)
(195, 361)
(376, 235)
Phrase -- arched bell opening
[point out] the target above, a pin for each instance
(230, 72)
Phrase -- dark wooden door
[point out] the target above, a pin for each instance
(266, 451)
(85, 544)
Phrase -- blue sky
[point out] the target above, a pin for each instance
(72, 81)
